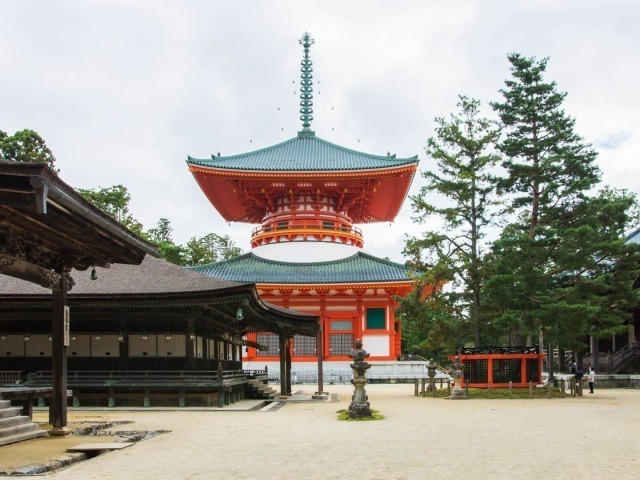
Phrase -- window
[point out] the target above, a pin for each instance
(341, 325)
(376, 319)
(304, 346)
(270, 341)
(341, 343)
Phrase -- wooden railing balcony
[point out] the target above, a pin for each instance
(309, 229)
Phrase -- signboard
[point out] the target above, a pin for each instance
(67, 326)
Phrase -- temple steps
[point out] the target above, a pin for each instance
(15, 427)
(257, 389)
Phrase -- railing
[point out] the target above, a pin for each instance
(622, 356)
(505, 350)
(282, 226)
(151, 377)
(10, 376)
(250, 374)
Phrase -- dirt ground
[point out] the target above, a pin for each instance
(595, 436)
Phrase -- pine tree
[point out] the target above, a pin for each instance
(464, 158)
(562, 266)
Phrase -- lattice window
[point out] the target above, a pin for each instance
(507, 370)
(341, 325)
(476, 371)
(271, 342)
(341, 343)
(304, 346)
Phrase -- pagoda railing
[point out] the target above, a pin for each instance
(318, 229)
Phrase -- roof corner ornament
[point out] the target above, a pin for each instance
(306, 87)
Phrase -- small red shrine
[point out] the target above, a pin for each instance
(495, 366)
(306, 195)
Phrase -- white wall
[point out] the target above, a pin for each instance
(305, 252)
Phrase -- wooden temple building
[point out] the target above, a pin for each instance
(306, 196)
(81, 300)
(47, 230)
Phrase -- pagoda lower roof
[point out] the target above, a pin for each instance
(358, 268)
(303, 153)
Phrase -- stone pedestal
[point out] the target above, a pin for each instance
(458, 392)
(359, 401)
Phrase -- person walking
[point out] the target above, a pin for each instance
(592, 379)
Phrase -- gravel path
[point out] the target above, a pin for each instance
(591, 437)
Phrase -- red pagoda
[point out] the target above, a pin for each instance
(306, 195)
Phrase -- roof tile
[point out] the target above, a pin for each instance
(303, 154)
(360, 267)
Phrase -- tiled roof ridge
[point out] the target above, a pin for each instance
(393, 157)
(302, 264)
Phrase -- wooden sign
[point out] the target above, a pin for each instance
(67, 326)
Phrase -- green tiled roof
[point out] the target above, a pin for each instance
(360, 267)
(303, 153)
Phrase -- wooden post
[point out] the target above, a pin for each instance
(489, 389)
(283, 365)
(288, 361)
(510, 389)
(319, 347)
(548, 389)
(562, 386)
(220, 397)
(147, 398)
(423, 387)
(530, 389)
(190, 347)
(416, 386)
(58, 406)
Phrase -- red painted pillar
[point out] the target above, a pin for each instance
(490, 370)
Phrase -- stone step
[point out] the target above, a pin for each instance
(22, 436)
(5, 403)
(18, 429)
(10, 412)
(17, 420)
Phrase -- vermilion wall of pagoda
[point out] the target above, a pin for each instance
(365, 311)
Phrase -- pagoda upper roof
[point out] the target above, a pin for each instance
(306, 152)
(358, 268)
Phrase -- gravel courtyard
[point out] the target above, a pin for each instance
(596, 436)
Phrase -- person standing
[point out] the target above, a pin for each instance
(592, 379)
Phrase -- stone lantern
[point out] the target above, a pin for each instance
(359, 402)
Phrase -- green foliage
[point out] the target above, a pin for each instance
(463, 176)
(503, 393)
(430, 322)
(344, 416)
(210, 248)
(26, 146)
(562, 265)
(114, 201)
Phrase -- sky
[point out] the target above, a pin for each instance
(123, 91)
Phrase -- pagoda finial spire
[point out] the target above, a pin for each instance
(306, 87)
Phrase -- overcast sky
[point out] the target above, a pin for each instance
(123, 91)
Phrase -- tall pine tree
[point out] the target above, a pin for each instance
(562, 267)
(464, 156)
